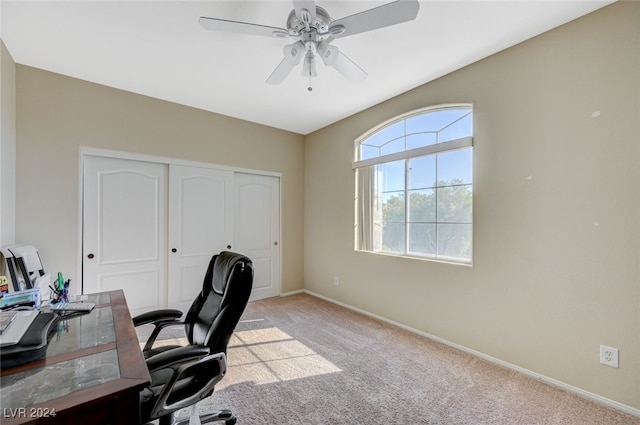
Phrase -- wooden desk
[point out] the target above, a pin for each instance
(92, 374)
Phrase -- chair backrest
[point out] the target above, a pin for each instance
(225, 292)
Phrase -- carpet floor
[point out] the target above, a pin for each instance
(302, 360)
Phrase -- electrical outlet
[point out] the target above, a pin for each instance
(609, 356)
(336, 281)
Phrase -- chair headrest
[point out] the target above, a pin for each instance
(222, 269)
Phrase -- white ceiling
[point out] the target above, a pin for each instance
(158, 49)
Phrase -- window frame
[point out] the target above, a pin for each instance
(359, 165)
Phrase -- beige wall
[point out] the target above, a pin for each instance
(57, 115)
(7, 146)
(556, 210)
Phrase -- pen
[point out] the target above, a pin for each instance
(65, 292)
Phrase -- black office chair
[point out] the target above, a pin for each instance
(183, 375)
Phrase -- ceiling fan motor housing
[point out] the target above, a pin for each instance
(317, 30)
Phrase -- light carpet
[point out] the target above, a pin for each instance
(302, 360)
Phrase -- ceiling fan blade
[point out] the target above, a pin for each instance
(216, 24)
(293, 54)
(305, 10)
(332, 56)
(379, 17)
(281, 72)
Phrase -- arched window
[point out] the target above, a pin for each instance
(414, 185)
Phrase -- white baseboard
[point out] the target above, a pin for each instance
(554, 382)
(288, 294)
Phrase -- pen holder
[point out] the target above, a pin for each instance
(54, 296)
(61, 293)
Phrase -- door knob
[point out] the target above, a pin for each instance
(275, 243)
(90, 256)
(228, 246)
(174, 250)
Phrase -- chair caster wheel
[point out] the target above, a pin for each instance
(231, 421)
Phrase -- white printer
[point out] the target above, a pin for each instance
(25, 274)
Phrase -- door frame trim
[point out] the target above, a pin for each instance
(107, 153)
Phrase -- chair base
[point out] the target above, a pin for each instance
(222, 415)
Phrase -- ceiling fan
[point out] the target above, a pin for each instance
(314, 30)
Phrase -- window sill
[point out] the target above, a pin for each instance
(442, 260)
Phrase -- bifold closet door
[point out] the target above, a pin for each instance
(124, 230)
(200, 225)
(151, 229)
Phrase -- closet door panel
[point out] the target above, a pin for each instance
(200, 225)
(124, 230)
(257, 229)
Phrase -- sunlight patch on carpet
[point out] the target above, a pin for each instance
(270, 355)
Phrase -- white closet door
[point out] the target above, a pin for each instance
(257, 230)
(200, 225)
(124, 219)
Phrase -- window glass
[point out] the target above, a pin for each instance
(455, 167)
(454, 241)
(393, 237)
(391, 176)
(418, 140)
(422, 172)
(392, 146)
(457, 129)
(368, 151)
(422, 205)
(385, 134)
(435, 121)
(422, 238)
(392, 206)
(454, 204)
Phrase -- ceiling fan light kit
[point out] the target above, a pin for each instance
(315, 30)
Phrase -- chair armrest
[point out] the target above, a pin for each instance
(156, 315)
(176, 356)
(160, 319)
(159, 326)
